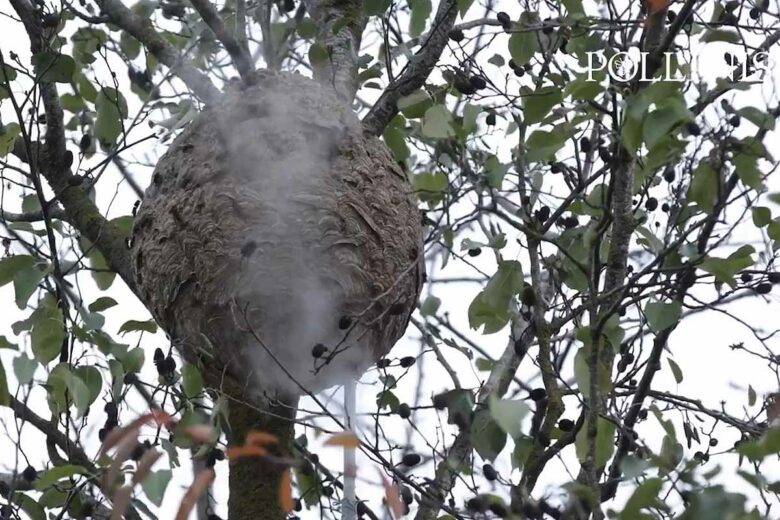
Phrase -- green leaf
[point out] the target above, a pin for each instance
(134, 325)
(773, 229)
(459, 405)
(8, 135)
(86, 89)
(318, 55)
(720, 35)
(415, 104)
(57, 473)
(659, 123)
(4, 343)
(430, 186)
(132, 360)
(420, 11)
(491, 306)
(644, 496)
(53, 67)
(437, 122)
(522, 46)
(11, 265)
(574, 7)
(760, 118)
(703, 189)
(111, 110)
(508, 414)
(396, 141)
(746, 168)
(429, 306)
(678, 375)
(463, 7)
(155, 484)
(487, 436)
(24, 369)
(541, 145)
(191, 380)
(72, 103)
(26, 283)
(605, 442)
(102, 303)
(495, 171)
(766, 445)
(92, 379)
(30, 506)
(536, 105)
(5, 399)
(725, 269)
(78, 390)
(129, 45)
(47, 332)
(7, 75)
(761, 216)
(662, 315)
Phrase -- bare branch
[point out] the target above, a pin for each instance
(142, 30)
(239, 53)
(416, 72)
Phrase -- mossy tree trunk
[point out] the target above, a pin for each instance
(255, 482)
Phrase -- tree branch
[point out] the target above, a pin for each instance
(341, 40)
(82, 212)
(417, 70)
(241, 58)
(142, 30)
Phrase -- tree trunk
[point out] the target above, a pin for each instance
(254, 482)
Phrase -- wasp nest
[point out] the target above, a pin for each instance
(280, 247)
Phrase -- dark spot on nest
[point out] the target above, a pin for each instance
(258, 110)
(248, 249)
(177, 216)
(156, 179)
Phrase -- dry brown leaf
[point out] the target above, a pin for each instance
(260, 437)
(145, 465)
(393, 497)
(120, 502)
(125, 448)
(117, 434)
(200, 432)
(198, 487)
(285, 492)
(655, 6)
(236, 452)
(345, 439)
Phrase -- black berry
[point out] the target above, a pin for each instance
(411, 459)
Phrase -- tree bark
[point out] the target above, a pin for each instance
(255, 482)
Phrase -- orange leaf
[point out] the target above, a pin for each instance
(198, 487)
(285, 492)
(236, 452)
(260, 437)
(200, 432)
(346, 439)
(145, 465)
(126, 445)
(120, 502)
(656, 6)
(117, 434)
(393, 497)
